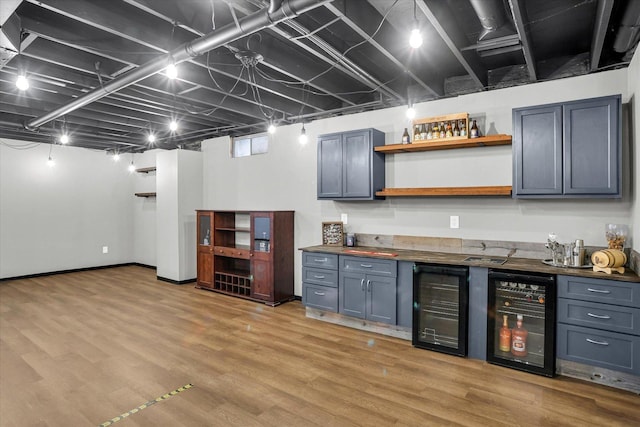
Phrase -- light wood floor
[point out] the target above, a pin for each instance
(80, 349)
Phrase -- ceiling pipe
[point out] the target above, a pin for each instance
(492, 18)
(248, 25)
(629, 30)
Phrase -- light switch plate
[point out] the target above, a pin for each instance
(454, 221)
(344, 218)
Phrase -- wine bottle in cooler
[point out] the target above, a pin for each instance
(519, 338)
(505, 334)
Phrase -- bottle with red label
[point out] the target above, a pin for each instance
(519, 338)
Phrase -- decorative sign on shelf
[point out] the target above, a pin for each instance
(332, 233)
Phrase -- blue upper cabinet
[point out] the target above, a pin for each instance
(348, 166)
(568, 150)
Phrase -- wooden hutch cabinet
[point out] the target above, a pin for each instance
(248, 254)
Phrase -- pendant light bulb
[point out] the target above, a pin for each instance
(271, 129)
(22, 83)
(64, 138)
(302, 139)
(173, 126)
(50, 162)
(151, 138)
(132, 167)
(116, 157)
(172, 71)
(415, 40)
(411, 113)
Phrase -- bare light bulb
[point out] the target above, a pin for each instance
(64, 138)
(173, 126)
(151, 138)
(172, 71)
(116, 157)
(132, 167)
(411, 113)
(50, 162)
(303, 139)
(22, 83)
(415, 40)
(272, 129)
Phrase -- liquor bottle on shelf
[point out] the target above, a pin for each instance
(463, 128)
(406, 139)
(443, 131)
(429, 131)
(436, 131)
(519, 338)
(505, 334)
(423, 132)
(449, 132)
(456, 129)
(416, 134)
(473, 132)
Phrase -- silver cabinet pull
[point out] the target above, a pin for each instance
(362, 285)
(319, 293)
(599, 316)
(366, 265)
(598, 291)
(597, 342)
(369, 285)
(318, 277)
(320, 259)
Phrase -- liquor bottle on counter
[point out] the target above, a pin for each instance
(406, 139)
(473, 132)
(519, 338)
(505, 334)
(416, 134)
(423, 132)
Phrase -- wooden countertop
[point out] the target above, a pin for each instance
(513, 264)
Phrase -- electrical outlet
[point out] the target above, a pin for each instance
(344, 218)
(454, 221)
(105, 249)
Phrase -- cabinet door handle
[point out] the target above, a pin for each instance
(362, 285)
(366, 265)
(320, 259)
(369, 285)
(598, 291)
(599, 316)
(597, 342)
(318, 277)
(319, 293)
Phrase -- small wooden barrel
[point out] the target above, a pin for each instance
(609, 258)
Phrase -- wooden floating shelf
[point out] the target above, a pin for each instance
(146, 170)
(146, 194)
(236, 229)
(446, 191)
(445, 144)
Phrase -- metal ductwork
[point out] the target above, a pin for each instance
(492, 18)
(629, 30)
(284, 10)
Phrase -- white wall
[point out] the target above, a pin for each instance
(285, 178)
(179, 188)
(58, 218)
(144, 209)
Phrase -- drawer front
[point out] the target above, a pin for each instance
(594, 347)
(319, 276)
(381, 267)
(602, 316)
(600, 290)
(320, 260)
(322, 297)
(231, 252)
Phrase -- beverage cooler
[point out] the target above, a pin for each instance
(440, 308)
(521, 321)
